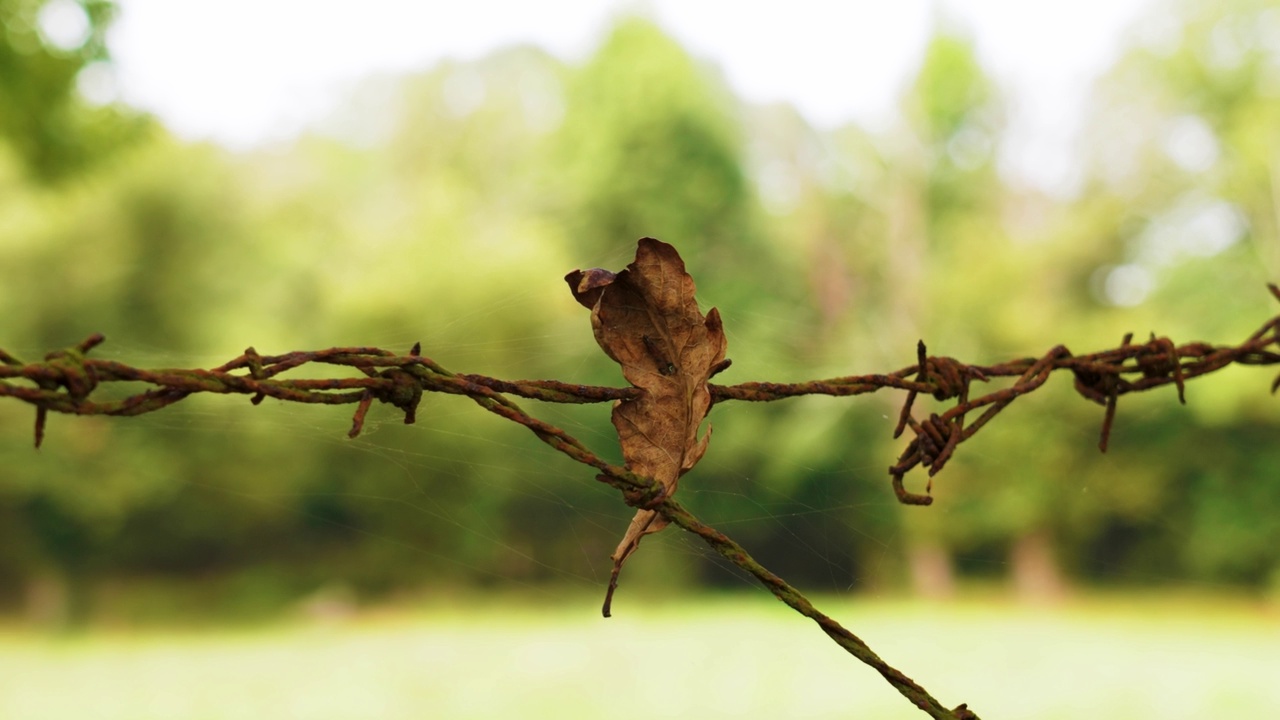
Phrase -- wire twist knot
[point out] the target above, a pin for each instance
(950, 376)
(645, 498)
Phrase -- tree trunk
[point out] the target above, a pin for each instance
(932, 574)
(1036, 575)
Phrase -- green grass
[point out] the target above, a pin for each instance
(741, 657)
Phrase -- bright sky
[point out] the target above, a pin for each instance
(246, 71)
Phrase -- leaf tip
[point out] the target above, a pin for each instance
(588, 285)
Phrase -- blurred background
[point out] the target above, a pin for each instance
(190, 180)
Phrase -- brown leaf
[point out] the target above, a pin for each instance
(647, 320)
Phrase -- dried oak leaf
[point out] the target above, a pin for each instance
(647, 320)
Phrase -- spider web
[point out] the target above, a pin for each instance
(742, 501)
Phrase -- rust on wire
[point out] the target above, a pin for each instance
(66, 380)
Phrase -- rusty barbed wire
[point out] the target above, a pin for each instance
(66, 379)
(1101, 377)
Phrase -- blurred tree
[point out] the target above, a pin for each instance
(954, 110)
(1183, 161)
(811, 463)
(945, 200)
(44, 47)
(138, 251)
(1185, 135)
(653, 148)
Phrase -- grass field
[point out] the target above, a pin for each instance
(739, 657)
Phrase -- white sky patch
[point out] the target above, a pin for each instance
(245, 72)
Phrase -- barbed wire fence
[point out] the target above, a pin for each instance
(66, 381)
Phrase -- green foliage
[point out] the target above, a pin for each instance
(51, 128)
(450, 222)
(653, 145)
(954, 110)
